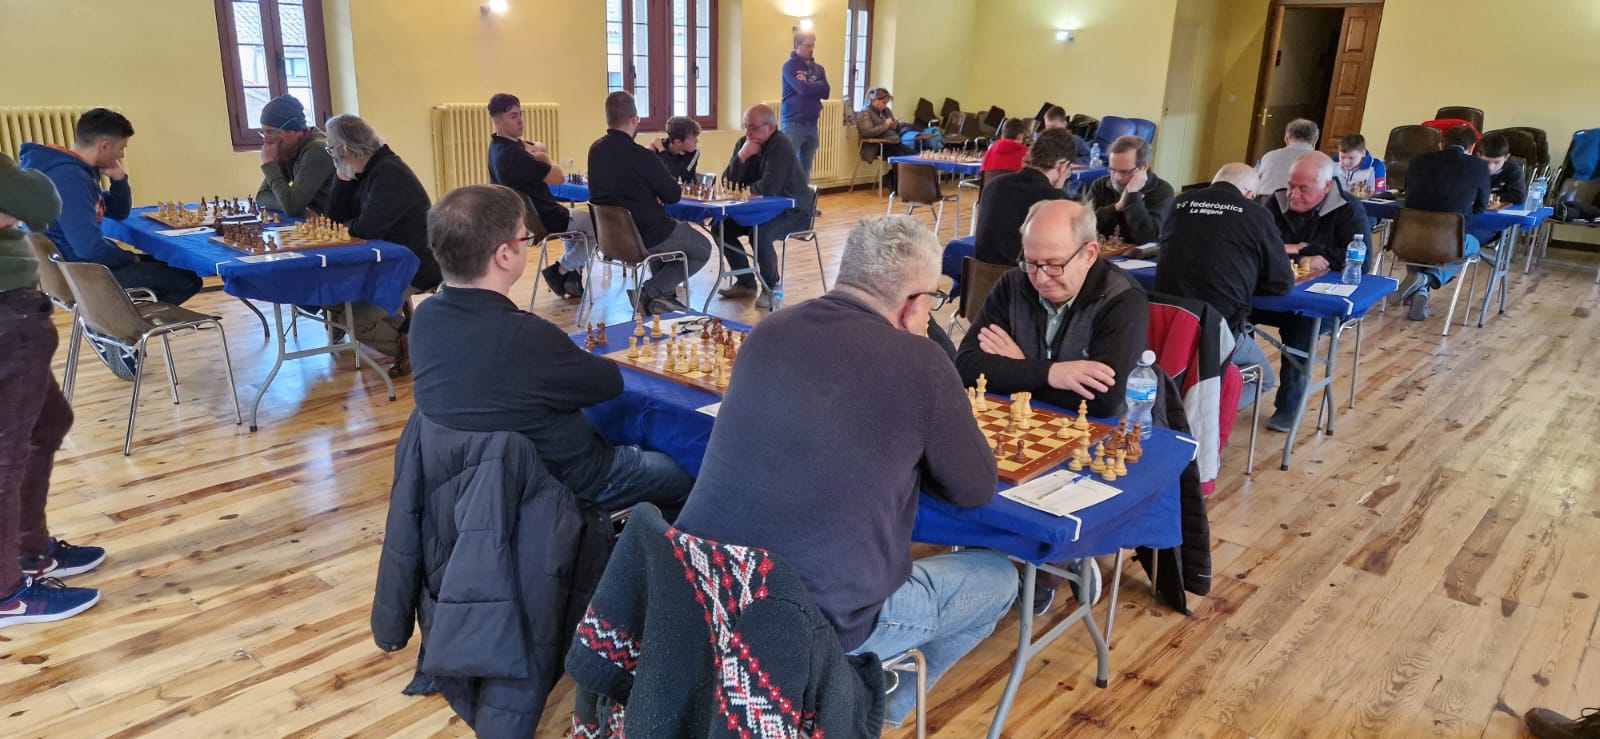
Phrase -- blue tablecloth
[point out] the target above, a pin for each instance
(1088, 174)
(1301, 301)
(661, 414)
(966, 169)
(377, 273)
(755, 212)
(1489, 220)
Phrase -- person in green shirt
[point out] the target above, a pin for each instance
(297, 170)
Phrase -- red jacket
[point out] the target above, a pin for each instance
(1193, 345)
(1004, 155)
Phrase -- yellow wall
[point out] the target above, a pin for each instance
(155, 60)
(1236, 63)
(933, 53)
(1116, 65)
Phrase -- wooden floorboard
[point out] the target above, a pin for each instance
(1429, 570)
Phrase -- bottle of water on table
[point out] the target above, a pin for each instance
(1142, 383)
(1355, 259)
(1094, 154)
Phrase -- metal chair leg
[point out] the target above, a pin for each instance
(172, 372)
(1355, 364)
(70, 374)
(139, 354)
(227, 369)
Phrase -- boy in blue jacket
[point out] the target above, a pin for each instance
(102, 137)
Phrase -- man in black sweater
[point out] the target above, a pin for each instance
(484, 365)
(765, 160)
(378, 197)
(1447, 181)
(526, 166)
(1131, 200)
(1222, 247)
(625, 174)
(1006, 199)
(867, 413)
(1067, 327)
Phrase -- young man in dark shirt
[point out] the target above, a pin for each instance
(1223, 247)
(526, 166)
(1450, 180)
(764, 159)
(1131, 200)
(868, 413)
(1005, 201)
(625, 174)
(680, 148)
(484, 365)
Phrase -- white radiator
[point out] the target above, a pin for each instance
(53, 126)
(461, 140)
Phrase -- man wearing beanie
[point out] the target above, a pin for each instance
(35, 420)
(298, 172)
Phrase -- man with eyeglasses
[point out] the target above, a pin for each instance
(483, 364)
(868, 414)
(1130, 200)
(1008, 198)
(296, 168)
(765, 160)
(1066, 326)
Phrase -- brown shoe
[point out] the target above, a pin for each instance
(1547, 724)
(737, 290)
(402, 361)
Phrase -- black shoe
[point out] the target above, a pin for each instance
(1281, 421)
(1419, 305)
(1544, 723)
(118, 361)
(664, 305)
(572, 284)
(552, 277)
(1044, 596)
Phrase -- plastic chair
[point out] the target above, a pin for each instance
(1144, 129)
(924, 113)
(917, 185)
(1462, 112)
(1406, 142)
(955, 129)
(1421, 238)
(977, 280)
(880, 143)
(621, 245)
(109, 317)
(809, 234)
(544, 237)
(950, 104)
(989, 125)
(54, 285)
(1084, 126)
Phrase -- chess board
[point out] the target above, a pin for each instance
(288, 245)
(1306, 274)
(1045, 452)
(169, 223)
(652, 361)
(1110, 250)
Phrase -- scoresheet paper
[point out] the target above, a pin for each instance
(1330, 288)
(1061, 493)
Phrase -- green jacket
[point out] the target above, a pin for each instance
(29, 196)
(306, 186)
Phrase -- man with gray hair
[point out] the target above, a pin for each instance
(1299, 139)
(1222, 247)
(764, 160)
(483, 364)
(1316, 220)
(868, 413)
(378, 197)
(1131, 200)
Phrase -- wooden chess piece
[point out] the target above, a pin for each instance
(1109, 471)
(1064, 429)
(1136, 445)
(655, 327)
(602, 336)
(983, 392)
(1097, 463)
(638, 326)
(1075, 464)
(633, 347)
(1082, 424)
(1122, 462)
(1017, 454)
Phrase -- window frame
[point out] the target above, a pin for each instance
(857, 99)
(660, 59)
(246, 134)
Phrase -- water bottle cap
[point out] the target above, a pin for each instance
(1148, 357)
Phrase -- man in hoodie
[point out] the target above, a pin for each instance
(102, 138)
(805, 86)
(296, 168)
(35, 420)
(1008, 151)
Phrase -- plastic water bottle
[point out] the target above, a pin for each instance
(1536, 192)
(1094, 154)
(1142, 384)
(1355, 259)
(777, 296)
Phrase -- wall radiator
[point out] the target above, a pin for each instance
(838, 145)
(52, 125)
(461, 140)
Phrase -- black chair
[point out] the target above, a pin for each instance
(1465, 113)
(977, 280)
(621, 245)
(1423, 238)
(989, 125)
(949, 105)
(1085, 126)
(1405, 143)
(924, 114)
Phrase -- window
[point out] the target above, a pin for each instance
(857, 52)
(271, 47)
(665, 53)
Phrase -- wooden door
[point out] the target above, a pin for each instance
(1347, 96)
(1260, 142)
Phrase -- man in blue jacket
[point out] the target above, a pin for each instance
(805, 86)
(102, 137)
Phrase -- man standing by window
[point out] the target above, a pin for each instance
(805, 86)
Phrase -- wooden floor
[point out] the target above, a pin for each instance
(1429, 570)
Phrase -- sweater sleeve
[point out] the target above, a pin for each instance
(805, 88)
(735, 171)
(576, 379)
(519, 170)
(1146, 212)
(1275, 277)
(342, 205)
(957, 464)
(1004, 375)
(1349, 219)
(1514, 187)
(872, 126)
(1121, 334)
(778, 166)
(119, 199)
(388, 196)
(657, 177)
(82, 240)
(311, 172)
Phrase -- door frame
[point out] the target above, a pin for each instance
(1269, 57)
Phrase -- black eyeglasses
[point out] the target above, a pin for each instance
(529, 239)
(937, 298)
(1051, 270)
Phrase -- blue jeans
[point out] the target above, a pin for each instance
(642, 476)
(1441, 276)
(1247, 352)
(170, 284)
(804, 136)
(951, 603)
(773, 230)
